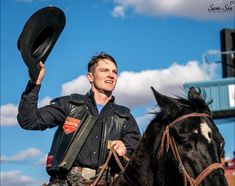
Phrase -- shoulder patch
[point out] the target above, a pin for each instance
(71, 125)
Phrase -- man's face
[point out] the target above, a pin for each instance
(104, 76)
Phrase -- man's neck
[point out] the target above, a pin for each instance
(101, 97)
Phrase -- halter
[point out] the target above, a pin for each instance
(170, 143)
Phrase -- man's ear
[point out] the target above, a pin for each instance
(90, 77)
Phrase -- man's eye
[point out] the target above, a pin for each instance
(103, 70)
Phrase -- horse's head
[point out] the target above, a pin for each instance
(190, 139)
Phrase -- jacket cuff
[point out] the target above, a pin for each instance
(32, 89)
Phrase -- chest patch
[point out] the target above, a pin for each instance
(71, 125)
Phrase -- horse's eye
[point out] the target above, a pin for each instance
(186, 144)
(221, 147)
(195, 131)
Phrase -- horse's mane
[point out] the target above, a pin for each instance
(193, 101)
(190, 100)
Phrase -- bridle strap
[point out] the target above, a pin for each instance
(194, 114)
(170, 143)
(117, 160)
(207, 171)
(102, 169)
(187, 177)
(104, 166)
(166, 134)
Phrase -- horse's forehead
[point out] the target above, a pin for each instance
(206, 130)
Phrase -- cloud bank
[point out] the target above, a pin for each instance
(22, 155)
(9, 112)
(199, 10)
(133, 88)
(15, 178)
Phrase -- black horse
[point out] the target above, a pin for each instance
(181, 146)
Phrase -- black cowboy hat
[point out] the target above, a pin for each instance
(38, 37)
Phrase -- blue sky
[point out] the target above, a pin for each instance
(156, 43)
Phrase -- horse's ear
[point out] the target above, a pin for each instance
(163, 100)
(194, 94)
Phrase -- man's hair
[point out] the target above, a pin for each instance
(94, 60)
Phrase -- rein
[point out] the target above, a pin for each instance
(170, 143)
(105, 165)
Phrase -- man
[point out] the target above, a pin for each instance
(85, 124)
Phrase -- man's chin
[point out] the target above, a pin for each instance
(108, 91)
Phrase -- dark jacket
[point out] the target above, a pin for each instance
(114, 122)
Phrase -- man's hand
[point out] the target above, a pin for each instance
(40, 76)
(119, 147)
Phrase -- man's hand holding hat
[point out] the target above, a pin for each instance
(40, 76)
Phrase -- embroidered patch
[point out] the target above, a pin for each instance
(49, 161)
(71, 125)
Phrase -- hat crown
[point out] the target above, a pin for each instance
(39, 36)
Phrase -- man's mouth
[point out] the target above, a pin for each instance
(109, 81)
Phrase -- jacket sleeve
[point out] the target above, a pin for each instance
(32, 118)
(131, 135)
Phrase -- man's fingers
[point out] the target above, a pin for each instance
(41, 64)
(121, 151)
(41, 74)
(119, 147)
(117, 144)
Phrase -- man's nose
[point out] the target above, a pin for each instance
(111, 74)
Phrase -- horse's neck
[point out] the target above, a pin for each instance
(167, 172)
(140, 168)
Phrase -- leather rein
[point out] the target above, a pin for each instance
(105, 165)
(169, 141)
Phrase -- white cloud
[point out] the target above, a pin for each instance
(144, 120)
(133, 88)
(13, 178)
(200, 9)
(42, 160)
(9, 112)
(118, 11)
(78, 85)
(22, 155)
(44, 101)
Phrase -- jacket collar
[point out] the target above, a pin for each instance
(90, 94)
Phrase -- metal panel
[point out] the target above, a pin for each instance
(216, 90)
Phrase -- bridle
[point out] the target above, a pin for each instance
(169, 141)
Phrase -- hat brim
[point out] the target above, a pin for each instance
(39, 36)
